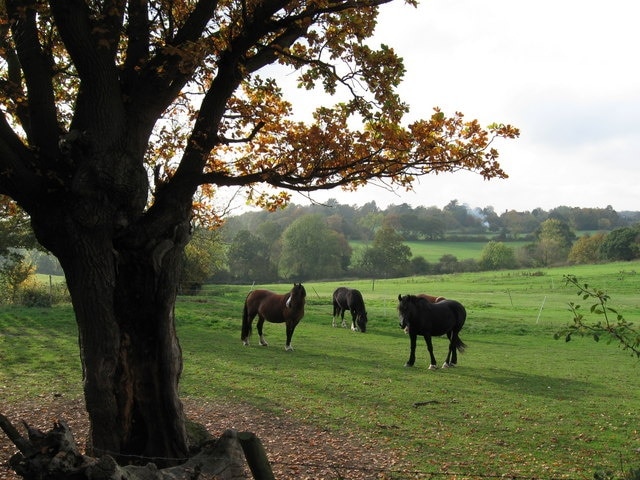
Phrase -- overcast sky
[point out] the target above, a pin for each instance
(565, 72)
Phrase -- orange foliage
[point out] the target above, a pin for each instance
(203, 82)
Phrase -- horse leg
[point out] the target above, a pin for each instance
(433, 365)
(412, 354)
(247, 320)
(354, 327)
(263, 342)
(455, 339)
(344, 324)
(451, 354)
(290, 328)
(335, 314)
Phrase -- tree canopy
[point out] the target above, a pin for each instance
(122, 119)
(182, 85)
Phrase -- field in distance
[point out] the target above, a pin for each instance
(432, 251)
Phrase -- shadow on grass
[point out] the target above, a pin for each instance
(527, 383)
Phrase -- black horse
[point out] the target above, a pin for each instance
(418, 316)
(350, 299)
(275, 308)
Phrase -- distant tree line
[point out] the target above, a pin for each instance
(300, 243)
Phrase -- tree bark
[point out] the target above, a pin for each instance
(124, 295)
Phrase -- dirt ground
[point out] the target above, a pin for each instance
(295, 450)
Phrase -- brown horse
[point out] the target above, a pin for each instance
(430, 298)
(275, 308)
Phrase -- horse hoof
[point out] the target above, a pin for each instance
(288, 348)
(448, 365)
(408, 365)
(433, 367)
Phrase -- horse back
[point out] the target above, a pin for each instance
(442, 317)
(457, 310)
(355, 301)
(272, 306)
(340, 295)
(266, 303)
(430, 298)
(256, 297)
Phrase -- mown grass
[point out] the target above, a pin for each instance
(519, 404)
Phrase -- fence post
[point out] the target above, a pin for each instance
(256, 456)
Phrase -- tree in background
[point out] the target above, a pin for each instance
(15, 271)
(496, 256)
(15, 230)
(16, 237)
(204, 256)
(516, 223)
(491, 219)
(249, 259)
(116, 114)
(310, 249)
(370, 223)
(587, 249)
(448, 264)
(387, 257)
(622, 244)
(553, 242)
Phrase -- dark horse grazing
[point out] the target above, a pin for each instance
(275, 308)
(350, 299)
(418, 316)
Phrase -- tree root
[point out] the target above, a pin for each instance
(55, 455)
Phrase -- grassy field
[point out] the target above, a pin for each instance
(433, 251)
(520, 404)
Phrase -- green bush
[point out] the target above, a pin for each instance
(39, 295)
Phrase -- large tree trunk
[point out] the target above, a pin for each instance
(123, 296)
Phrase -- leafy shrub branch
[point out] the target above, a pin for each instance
(612, 324)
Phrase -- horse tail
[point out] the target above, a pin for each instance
(461, 314)
(246, 324)
(459, 344)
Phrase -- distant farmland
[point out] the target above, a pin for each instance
(433, 251)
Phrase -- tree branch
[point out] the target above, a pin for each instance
(138, 46)
(11, 87)
(16, 179)
(163, 76)
(90, 47)
(41, 125)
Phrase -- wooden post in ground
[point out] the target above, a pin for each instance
(256, 456)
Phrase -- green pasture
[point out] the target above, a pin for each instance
(433, 251)
(520, 404)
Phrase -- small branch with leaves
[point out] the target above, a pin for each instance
(612, 325)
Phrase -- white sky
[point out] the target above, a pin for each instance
(566, 72)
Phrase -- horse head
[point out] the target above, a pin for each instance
(362, 320)
(407, 310)
(297, 296)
